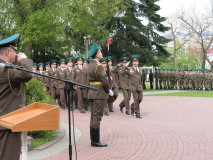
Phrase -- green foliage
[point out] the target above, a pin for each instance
(41, 137)
(35, 92)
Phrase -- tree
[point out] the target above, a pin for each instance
(131, 36)
(199, 25)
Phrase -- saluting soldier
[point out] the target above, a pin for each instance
(12, 95)
(98, 79)
(114, 82)
(60, 84)
(135, 85)
(123, 83)
(46, 79)
(80, 76)
(40, 70)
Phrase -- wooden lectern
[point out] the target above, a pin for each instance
(35, 117)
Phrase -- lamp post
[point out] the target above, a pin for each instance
(86, 43)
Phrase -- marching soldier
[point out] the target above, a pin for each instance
(80, 76)
(180, 79)
(123, 83)
(160, 75)
(98, 79)
(135, 85)
(114, 80)
(59, 84)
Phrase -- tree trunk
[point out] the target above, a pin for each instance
(204, 60)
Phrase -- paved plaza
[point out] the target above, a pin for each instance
(171, 128)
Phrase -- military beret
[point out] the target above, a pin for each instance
(34, 64)
(69, 59)
(125, 59)
(167, 68)
(41, 64)
(62, 61)
(86, 60)
(79, 58)
(10, 42)
(135, 58)
(94, 49)
(103, 60)
(53, 61)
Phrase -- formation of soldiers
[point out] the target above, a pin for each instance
(129, 80)
(184, 79)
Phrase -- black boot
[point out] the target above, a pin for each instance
(95, 138)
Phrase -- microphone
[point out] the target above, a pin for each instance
(2, 65)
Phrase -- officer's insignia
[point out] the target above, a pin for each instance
(103, 72)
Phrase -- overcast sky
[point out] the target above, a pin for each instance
(169, 7)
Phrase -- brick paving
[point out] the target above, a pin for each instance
(171, 128)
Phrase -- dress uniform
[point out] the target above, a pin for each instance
(12, 95)
(98, 79)
(59, 84)
(80, 76)
(52, 73)
(86, 102)
(123, 83)
(114, 83)
(156, 77)
(46, 79)
(34, 69)
(40, 70)
(69, 75)
(135, 85)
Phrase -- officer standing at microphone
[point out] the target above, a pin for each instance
(12, 96)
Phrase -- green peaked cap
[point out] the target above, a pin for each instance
(62, 61)
(34, 64)
(47, 64)
(53, 61)
(41, 64)
(69, 59)
(103, 60)
(135, 58)
(110, 58)
(79, 58)
(86, 60)
(93, 50)
(10, 42)
(124, 59)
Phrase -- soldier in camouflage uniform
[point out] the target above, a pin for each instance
(168, 78)
(171, 78)
(160, 75)
(180, 79)
(196, 76)
(185, 82)
(190, 79)
(156, 77)
(164, 78)
(175, 79)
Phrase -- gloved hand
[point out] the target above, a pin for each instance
(111, 93)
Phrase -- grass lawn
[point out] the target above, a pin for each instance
(147, 88)
(187, 94)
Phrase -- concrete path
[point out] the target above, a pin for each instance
(170, 128)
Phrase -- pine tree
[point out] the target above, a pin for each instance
(132, 37)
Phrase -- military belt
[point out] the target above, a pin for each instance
(95, 83)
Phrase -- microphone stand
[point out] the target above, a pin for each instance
(67, 88)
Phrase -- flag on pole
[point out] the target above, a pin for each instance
(108, 41)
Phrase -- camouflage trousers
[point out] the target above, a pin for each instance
(180, 83)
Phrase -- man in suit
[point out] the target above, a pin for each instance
(123, 83)
(52, 73)
(12, 96)
(135, 85)
(80, 76)
(98, 79)
(59, 84)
